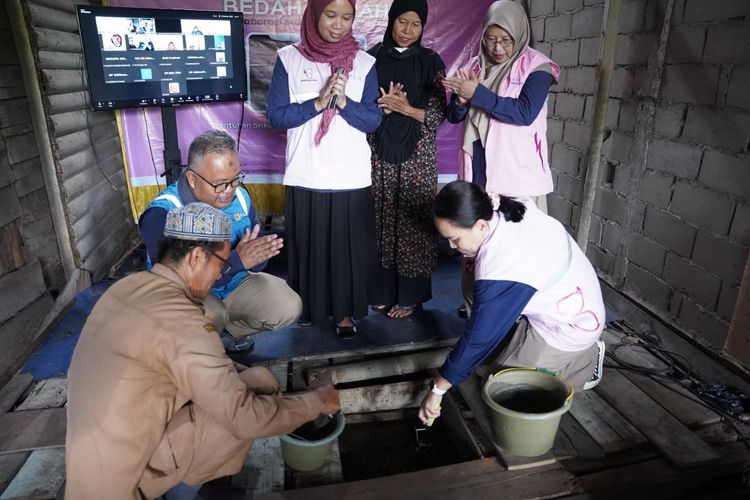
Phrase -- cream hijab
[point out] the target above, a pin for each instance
(511, 17)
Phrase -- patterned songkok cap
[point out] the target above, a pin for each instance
(198, 222)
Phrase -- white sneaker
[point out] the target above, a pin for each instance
(598, 369)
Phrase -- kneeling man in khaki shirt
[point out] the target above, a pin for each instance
(153, 399)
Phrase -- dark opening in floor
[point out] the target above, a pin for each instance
(376, 449)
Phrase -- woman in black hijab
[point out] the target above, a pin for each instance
(404, 163)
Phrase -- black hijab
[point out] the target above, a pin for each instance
(415, 68)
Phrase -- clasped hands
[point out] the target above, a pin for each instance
(394, 100)
(463, 84)
(336, 86)
(253, 250)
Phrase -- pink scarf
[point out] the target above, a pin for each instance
(314, 48)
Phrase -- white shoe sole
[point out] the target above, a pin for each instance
(599, 370)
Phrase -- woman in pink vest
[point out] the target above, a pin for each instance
(502, 97)
(527, 266)
(324, 92)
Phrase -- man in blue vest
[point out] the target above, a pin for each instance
(244, 300)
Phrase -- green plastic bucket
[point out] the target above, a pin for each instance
(525, 408)
(306, 448)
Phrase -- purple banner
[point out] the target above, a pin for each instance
(452, 30)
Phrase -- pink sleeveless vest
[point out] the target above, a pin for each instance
(517, 157)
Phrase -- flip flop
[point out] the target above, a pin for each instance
(346, 332)
(408, 310)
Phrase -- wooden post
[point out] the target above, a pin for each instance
(606, 63)
(737, 345)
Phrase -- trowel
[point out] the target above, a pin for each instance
(422, 427)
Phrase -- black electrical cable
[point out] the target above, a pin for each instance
(675, 374)
(88, 126)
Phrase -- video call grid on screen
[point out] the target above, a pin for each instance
(161, 57)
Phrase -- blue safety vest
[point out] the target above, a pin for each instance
(240, 212)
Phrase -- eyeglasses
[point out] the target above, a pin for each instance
(504, 42)
(225, 266)
(221, 186)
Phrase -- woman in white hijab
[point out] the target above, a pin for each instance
(503, 93)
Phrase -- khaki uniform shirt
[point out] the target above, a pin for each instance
(153, 398)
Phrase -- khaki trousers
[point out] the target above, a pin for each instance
(196, 449)
(527, 349)
(261, 302)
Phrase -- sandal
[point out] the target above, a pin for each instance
(398, 311)
(346, 331)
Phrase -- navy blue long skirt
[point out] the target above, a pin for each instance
(330, 243)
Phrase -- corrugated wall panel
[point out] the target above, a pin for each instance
(51, 59)
(62, 103)
(71, 144)
(47, 39)
(63, 5)
(53, 19)
(93, 180)
(62, 81)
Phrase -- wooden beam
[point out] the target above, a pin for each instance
(19, 334)
(631, 481)
(13, 390)
(737, 345)
(477, 480)
(27, 284)
(41, 476)
(676, 399)
(49, 393)
(576, 440)
(607, 427)
(13, 256)
(264, 468)
(377, 368)
(461, 436)
(10, 464)
(383, 397)
(666, 433)
(33, 429)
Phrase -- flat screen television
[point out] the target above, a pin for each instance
(161, 57)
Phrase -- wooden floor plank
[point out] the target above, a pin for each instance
(607, 427)
(478, 480)
(49, 393)
(672, 439)
(32, 429)
(643, 476)
(676, 399)
(10, 464)
(13, 390)
(383, 397)
(41, 477)
(263, 471)
(584, 446)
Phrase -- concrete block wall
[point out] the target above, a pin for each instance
(31, 271)
(692, 216)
